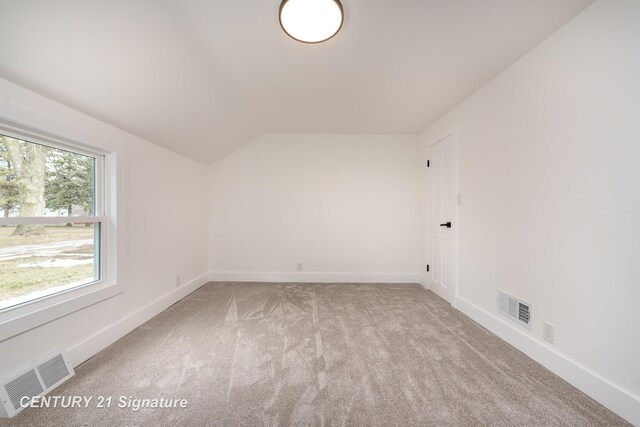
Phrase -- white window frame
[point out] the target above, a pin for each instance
(27, 315)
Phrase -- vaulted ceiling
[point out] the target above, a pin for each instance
(203, 77)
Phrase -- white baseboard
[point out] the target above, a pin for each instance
(608, 394)
(304, 277)
(422, 280)
(107, 336)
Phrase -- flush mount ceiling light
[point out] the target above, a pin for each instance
(311, 21)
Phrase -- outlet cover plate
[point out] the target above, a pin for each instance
(548, 332)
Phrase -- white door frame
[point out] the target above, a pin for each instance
(453, 133)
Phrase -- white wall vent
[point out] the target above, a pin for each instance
(40, 378)
(515, 309)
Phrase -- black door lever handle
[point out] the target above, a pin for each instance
(447, 224)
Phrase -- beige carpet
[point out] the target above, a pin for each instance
(320, 354)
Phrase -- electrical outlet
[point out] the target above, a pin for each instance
(178, 281)
(548, 332)
(300, 267)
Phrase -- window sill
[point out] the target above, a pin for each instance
(31, 316)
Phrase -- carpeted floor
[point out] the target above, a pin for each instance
(319, 354)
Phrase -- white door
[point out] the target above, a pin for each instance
(441, 242)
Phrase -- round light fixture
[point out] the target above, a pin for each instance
(311, 21)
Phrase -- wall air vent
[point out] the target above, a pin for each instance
(515, 309)
(36, 380)
(26, 384)
(53, 371)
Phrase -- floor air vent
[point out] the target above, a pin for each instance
(515, 309)
(46, 375)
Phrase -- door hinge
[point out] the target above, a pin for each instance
(427, 267)
(428, 163)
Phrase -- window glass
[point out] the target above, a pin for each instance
(40, 252)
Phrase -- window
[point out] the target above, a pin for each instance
(52, 223)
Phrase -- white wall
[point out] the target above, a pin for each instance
(549, 173)
(161, 218)
(343, 205)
